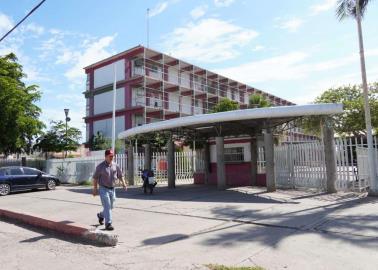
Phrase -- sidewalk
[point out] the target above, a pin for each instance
(196, 225)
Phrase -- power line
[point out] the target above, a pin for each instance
(27, 15)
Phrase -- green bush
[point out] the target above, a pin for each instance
(86, 183)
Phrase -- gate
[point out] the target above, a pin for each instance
(300, 165)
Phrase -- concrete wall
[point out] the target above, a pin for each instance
(105, 75)
(174, 102)
(105, 126)
(238, 174)
(173, 75)
(186, 102)
(104, 102)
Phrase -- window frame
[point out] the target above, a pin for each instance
(234, 154)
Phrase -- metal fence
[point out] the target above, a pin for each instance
(297, 165)
(303, 165)
(300, 165)
(78, 170)
(39, 164)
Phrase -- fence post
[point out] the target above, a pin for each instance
(329, 152)
(23, 161)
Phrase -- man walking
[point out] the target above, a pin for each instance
(105, 176)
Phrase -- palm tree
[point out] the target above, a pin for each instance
(356, 9)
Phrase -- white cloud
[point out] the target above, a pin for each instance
(223, 3)
(258, 48)
(284, 67)
(6, 24)
(291, 25)
(72, 98)
(325, 6)
(34, 28)
(159, 8)
(208, 40)
(56, 114)
(93, 53)
(67, 57)
(198, 12)
(295, 67)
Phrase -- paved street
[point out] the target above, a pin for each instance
(191, 226)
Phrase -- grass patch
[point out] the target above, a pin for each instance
(222, 267)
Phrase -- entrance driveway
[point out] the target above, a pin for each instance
(190, 226)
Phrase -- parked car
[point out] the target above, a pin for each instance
(17, 178)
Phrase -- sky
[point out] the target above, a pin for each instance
(294, 49)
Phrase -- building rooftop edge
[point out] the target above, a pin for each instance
(158, 52)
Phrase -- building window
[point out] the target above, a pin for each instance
(234, 154)
(88, 82)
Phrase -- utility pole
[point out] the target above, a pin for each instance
(67, 120)
(114, 105)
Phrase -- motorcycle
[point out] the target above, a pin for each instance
(149, 182)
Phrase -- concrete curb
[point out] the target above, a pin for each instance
(98, 237)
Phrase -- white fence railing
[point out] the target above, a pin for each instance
(300, 165)
(78, 170)
(303, 165)
(297, 165)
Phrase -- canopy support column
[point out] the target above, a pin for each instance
(171, 164)
(254, 156)
(221, 169)
(147, 156)
(206, 158)
(130, 164)
(269, 157)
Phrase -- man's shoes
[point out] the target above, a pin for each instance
(109, 227)
(100, 219)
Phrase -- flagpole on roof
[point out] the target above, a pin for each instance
(114, 105)
(148, 27)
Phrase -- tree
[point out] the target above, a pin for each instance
(356, 9)
(19, 124)
(351, 122)
(56, 140)
(258, 101)
(157, 140)
(225, 105)
(100, 142)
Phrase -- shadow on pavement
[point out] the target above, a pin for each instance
(360, 230)
(334, 217)
(193, 193)
(47, 234)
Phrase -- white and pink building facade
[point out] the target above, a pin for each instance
(152, 86)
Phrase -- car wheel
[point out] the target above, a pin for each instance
(50, 184)
(4, 189)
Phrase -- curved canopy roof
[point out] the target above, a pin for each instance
(235, 122)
